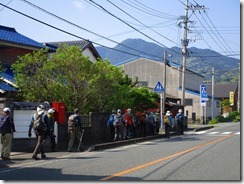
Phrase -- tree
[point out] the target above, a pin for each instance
(63, 76)
(70, 77)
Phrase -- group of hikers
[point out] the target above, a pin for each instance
(46, 129)
(43, 126)
(122, 126)
(127, 125)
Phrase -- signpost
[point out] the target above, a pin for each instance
(159, 89)
(204, 98)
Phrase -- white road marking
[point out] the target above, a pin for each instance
(226, 133)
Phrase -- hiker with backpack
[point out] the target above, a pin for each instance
(151, 124)
(129, 124)
(110, 124)
(180, 119)
(7, 128)
(143, 124)
(41, 126)
(157, 120)
(168, 121)
(52, 122)
(75, 129)
(118, 125)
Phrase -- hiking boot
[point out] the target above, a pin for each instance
(5, 158)
(35, 157)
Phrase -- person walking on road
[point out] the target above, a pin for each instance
(41, 126)
(168, 121)
(110, 124)
(180, 119)
(74, 128)
(52, 122)
(157, 120)
(118, 125)
(129, 123)
(7, 128)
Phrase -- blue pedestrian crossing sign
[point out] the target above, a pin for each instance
(159, 88)
(203, 94)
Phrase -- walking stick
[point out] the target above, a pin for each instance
(80, 142)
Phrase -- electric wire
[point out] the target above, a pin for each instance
(62, 19)
(66, 32)
(104, 9)
(140, 22)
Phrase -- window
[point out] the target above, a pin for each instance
(188, 102)
(217, 104)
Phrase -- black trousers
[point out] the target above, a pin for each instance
(167, 130)
(180, 127)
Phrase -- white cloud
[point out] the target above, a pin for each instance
(78, 5)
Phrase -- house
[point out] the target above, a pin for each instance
(148, 72)
(222, 92)
(14, 44)
(86, 46)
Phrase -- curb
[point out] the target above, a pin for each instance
(108, 145)
(203, 128)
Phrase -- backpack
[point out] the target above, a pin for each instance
(118, 120)
(151, 120)
(39, 123)
(157, 118)
(166, 119)
(180, 118)
(128, 118)
(72, 121)
(111, 120)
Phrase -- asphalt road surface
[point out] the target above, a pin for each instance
(210, 155)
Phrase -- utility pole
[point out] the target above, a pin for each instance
(184, 52)
(238, 98)
(212, 110)
(164, 94)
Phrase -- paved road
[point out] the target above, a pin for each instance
(208, 155)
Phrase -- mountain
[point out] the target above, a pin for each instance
(226, 69)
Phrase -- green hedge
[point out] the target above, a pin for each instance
(233, 117)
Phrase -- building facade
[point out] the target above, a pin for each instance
(148, 72)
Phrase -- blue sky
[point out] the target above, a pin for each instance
(216, 28)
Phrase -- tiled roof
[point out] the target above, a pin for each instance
(8, 74)
(80, 43)
(83, 44)
(10, 35)
(6, 87)
(7, 80)
(221, 90)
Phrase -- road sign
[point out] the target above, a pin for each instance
(203, 92)
(231, 98)
(159, 88)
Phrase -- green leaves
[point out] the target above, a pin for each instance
(70, 77)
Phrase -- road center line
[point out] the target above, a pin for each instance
(163, 159)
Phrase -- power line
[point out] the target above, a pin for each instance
(140, 22)
(62, 19)
(66, 32)
(100, 6)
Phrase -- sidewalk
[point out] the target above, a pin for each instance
(108, 145)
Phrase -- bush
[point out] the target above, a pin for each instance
(214, 121)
